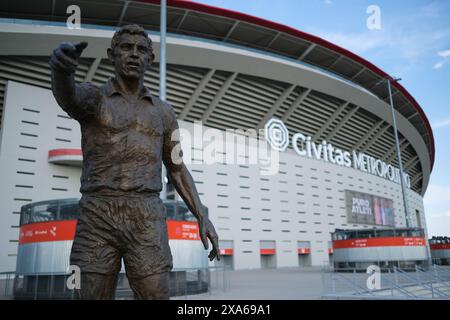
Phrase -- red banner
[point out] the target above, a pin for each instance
(379, 242)
(440, 246)
(65, 231)
(183, 230)
(47, 231)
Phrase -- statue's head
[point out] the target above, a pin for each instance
(131, 51)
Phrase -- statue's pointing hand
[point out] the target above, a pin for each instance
(66, 56)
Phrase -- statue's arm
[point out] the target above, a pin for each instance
(184, 184)
(77, 100)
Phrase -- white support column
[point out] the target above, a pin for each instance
(92, 69)
(295, 104)
(201, 86)
(368, 134)
(375, 139)
(218, 97)
(307, 51)
(327, 124)
(286, 93)
(342, 123)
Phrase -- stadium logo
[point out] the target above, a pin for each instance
(277, 135)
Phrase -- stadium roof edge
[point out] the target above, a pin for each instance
(227, 13)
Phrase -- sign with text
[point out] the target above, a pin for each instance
(363, 208)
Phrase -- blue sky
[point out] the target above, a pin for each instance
(413, 43)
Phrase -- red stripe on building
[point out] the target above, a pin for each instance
(267, 251)
(64, 152)
(440, 246)
(65, 231)
(379, 242)
(303, 250)
(47, 231)
(226, 252)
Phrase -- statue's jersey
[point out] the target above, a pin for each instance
(123, 141)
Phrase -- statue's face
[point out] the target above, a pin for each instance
(131, 56)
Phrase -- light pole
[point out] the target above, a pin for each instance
(399, 154)
(162, 77)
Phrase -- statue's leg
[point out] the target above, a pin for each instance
(152, 287)
(96, 286)
(146, 252)
(95, 249)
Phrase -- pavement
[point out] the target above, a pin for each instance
(263, 284)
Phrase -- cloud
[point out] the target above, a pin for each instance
(437, 195)
(439, 65)
(441, 124)
(437, 209)
(444, 54)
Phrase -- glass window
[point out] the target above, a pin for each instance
(170, 210)
(184, 214)
(25, 215)
(68, 210)
(44, 212)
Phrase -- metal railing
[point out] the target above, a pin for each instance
(183, 283)
(394, 283)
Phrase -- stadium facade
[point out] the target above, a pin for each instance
(321, 106)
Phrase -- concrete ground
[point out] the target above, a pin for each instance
(265, 284)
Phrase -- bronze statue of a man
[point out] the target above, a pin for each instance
(126, 135)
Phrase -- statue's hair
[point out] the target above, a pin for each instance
(131, 29)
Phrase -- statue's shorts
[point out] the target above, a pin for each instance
(111, 228)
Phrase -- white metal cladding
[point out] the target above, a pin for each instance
(188, 254)
(304, 244)
(247, 100)
(54, 256)
(440, 253)
(388, 253)
(267, 244)
(43, 257)
(226, 244)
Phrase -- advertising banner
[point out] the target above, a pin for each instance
(363, 208)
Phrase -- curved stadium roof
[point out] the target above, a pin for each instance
(203, 21)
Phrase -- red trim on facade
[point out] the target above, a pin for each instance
(303, 35)
(226, 252)
(440, 246)
(265, 252)
(379, 242)
(303, 250)
(47, 231)
(64, 152)
(65, 231)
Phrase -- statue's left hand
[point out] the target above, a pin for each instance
(207, 231)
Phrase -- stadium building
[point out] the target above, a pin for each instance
(322, 107)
